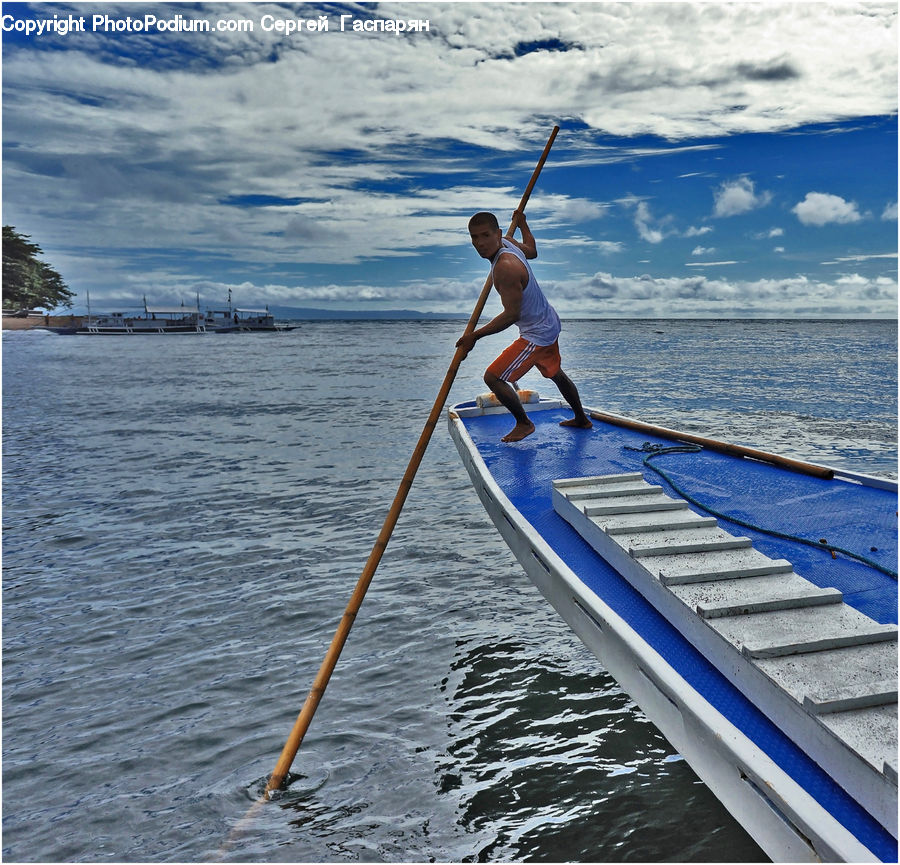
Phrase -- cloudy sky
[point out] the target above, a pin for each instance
(714, 159)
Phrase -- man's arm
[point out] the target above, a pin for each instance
(510, 279)
(527, 244)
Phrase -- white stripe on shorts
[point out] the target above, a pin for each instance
(523, 355)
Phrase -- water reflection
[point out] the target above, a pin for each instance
(553, 764)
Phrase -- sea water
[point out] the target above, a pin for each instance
(185, 518)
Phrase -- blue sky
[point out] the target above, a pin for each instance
(721, 160)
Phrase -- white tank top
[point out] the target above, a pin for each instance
(538, 321)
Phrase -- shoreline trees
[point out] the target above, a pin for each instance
(29, 283)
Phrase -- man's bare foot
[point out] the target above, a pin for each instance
(518, 432)
(578, 423)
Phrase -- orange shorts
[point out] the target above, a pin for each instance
(521, 356)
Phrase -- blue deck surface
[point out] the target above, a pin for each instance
(846, 515)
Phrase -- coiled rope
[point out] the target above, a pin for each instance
(656, 450)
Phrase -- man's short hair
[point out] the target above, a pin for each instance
(484, 218)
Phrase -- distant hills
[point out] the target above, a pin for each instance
(299, 313)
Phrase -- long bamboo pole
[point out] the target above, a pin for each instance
(292, 745)
(714, 444)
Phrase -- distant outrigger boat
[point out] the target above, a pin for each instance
(155, 320)
(243, 320)
(174, 320)
(764, 648)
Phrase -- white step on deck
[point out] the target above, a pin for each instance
(826, 673)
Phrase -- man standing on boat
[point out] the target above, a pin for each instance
(525, 305)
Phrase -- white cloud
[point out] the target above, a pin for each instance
(768, 235)
(821, 208)
(602, 293)
(572, 210)
(643, 222)
(738, 196)
(607, 247)
(702, 250)
(856, 258)
(890, 212)
(608, 294)
(698, 232)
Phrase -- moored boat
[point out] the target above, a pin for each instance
(171, 320)
(245, 320)
(747, 603)
(153, 320)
